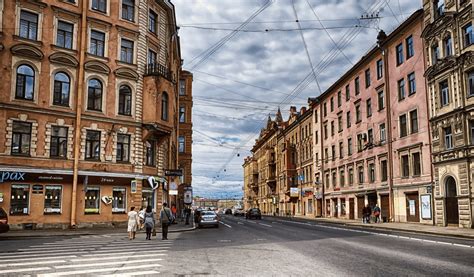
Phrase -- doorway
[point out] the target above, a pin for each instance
(413, 211)
(452, 210)
(319, 207)
(385, 207)
(360, 206)
(351, 208)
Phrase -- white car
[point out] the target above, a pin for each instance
(208, 218)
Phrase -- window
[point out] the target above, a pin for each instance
(99, 5)
(327, 180)
(349, 146)
(370, 137)
(369, 107)
(444, 90)
(316, 137)
(52, 199)
(325, 130)
(448, 138)
(119, 200)
(334, 179)
(361, 174)
(367, 77)
(348, 93)
(371, 173)
(470, 83)
(125, 100)
(351, 176)
(405, 166)
(21, 138)
(181, 145)
(332, 104)
(123, 148)
(379, 69)
(409, 46)
(383, 136)
(414, 121)
(316, 116)
(94, 95)
(92, 200)
(416, 164)
(28, 25)
(381, 100)
(128, 10)
(152, 21)
(58, 142)
(152, 57)
(360, 142)
(467, 31)
(325, 110)
(25, 82)
(341, 150)
(332, 128)
(339, 122)
(401, 89)
(61, 89)
(150, 152)
(339, 99)
(164, 106)
(434, 53)
(403, 125)
(411, 84)
(182, 87)
(93, 145)
(399, 51)
(448, 48)
(358, 114)
(64, 35)
(471, 125)
(439, 8)
(333, 152)
(348, 119)
(20, 199)
(383, 170)
(326, 155)
(182, 114)
(341, 178)
(357, 86)
(126, 51)
(97, 43)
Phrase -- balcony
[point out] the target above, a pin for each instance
(156, 69)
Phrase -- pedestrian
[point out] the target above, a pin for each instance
(173, 210)
(132, 223)
(187, 213)
(165, 219)
(367, 212)
(141, 216)
(377, 213)
(149, 222)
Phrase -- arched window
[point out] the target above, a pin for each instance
(25, 82)
(62, 85)
(125, 100)
(164, 106)
(94, 95)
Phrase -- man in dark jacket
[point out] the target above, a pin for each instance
(165, 218)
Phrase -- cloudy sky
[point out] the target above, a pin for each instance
(250, 57)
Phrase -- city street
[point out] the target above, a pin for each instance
(272, 246)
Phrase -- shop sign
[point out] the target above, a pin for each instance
(37, 189)
(425, 206)
(11, 176)
(133, 186)
(188, 195)
(173, 192)
(153, 183)
(294, 192)
(107, 200)
(173, 172)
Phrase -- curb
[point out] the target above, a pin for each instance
(374, 227)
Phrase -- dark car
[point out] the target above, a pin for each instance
(4, 227)
(253, 213)
(228, 211)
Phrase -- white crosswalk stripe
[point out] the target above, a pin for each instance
(112, 255)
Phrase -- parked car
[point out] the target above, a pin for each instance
(208, 218)
(239, 212)
(4, 227)
(253, 213)
(228, 211)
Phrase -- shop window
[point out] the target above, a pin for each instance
(25, 82)
(94, 95)
(52, 199)
(61, 89)
(147, 198)
(20, 200)
(119, 200)
(58, 148)
(93, 145)
(128, 10)
(123, 148)
(21, 138)
(28, 25)
(343, 207)
(125, 100)
(379, 69)
(64, 35)
(92, 200)
(150, 152)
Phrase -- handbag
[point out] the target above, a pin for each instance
(153, 232)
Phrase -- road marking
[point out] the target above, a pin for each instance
(34, 259)
(265, 224)
(240, 223)
(115, 257)
(226, 225)
(23, 270)
(117, 251)
(461, 245)
(147, 272)
(33, 263)
(224, 240)
(106, 263)
(98, 270)
(125, 253)
(251, 221)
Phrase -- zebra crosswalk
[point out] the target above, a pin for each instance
(98, 255)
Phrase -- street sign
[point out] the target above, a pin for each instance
(188, 195)
(173, 172)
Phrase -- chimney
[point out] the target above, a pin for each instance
(381, 38)
(292, 110)
(302, 110)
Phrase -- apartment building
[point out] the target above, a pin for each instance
(77, 145)
(450, 84)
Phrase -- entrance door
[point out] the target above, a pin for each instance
(351, 208)
(385, 207)
(413, 214)
(452, 209)
(335, 207)
(319, 207)
(360, 206)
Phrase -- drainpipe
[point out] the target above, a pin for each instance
(77, 130)
(323, 179)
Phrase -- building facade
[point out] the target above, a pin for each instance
(450, 82)
(78, 147)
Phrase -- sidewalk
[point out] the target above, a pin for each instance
(450, 231)
(174, 228)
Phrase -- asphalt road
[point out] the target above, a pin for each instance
(239, 247)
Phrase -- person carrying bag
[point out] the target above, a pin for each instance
(149, 222)
(165, 219)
